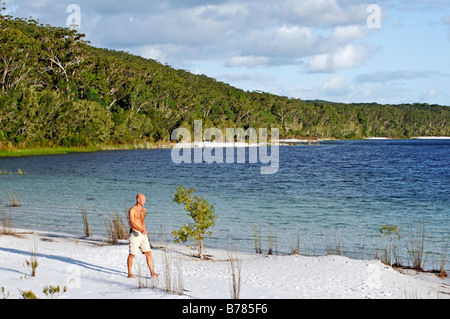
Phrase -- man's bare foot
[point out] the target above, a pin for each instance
(131, 276)
(155, 275)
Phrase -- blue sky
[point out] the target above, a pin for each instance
(308, 49)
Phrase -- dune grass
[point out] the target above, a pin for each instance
(87, 232)
(115, 229)
(235, 267)
(6, 225)
(14, 199)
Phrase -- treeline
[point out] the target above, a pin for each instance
(56, 89)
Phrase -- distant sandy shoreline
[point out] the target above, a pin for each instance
(13, 152)
(412, 138)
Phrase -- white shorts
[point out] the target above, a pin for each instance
(138, 241)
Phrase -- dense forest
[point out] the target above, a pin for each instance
(57, 90)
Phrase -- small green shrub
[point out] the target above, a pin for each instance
(201, 212)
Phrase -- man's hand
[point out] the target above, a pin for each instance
(144, 232)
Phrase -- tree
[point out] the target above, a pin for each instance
(201, 212)
(17, 54)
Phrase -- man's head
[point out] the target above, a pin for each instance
(140, 199)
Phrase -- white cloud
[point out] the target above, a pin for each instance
(337, 84)
(227, 11)
(323, 12)
(339, 89)
(247, 61)
(38, 4)
(346, 57)
(320, 62)
(349, 33)
(243, 33)
(336, 88)
(160, 53)
(350, 56)
(291, 42)
(398, 75)
(327, 11)
(431, 94)
(275, 39)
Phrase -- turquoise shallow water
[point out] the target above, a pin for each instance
(333, 194)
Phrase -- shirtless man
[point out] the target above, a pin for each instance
(138, 236)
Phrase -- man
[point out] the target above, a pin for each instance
(138, 236)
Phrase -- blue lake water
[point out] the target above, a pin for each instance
(335, 193)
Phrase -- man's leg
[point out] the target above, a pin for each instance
(130, 264)
(148, 255)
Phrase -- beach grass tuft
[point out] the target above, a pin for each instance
(257, 237)
(272, 243)
(336, 246)
(14, 199)
(33, 262)
(5, 294)
(115, 229)
(235, 266)
(6, 225)
(87, 232)
(415, 245)
(143, 277)
(442, 272)
(295, 247)
(173, 271)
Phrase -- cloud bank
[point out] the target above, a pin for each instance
(258, 43)
(323, 35)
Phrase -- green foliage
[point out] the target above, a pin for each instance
(28, 294)
(202, 213)
(392, 233)
(51, 291)
(56, 90)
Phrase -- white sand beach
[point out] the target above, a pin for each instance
(432, 137)
(89, 268)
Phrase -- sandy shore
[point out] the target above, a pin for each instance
(90, 269)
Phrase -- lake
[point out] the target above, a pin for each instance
(332, 196)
